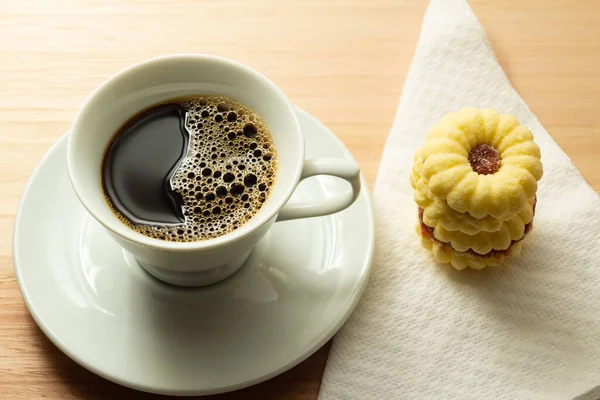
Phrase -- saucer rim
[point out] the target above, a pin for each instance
(353, 298)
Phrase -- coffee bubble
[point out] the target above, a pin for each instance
(229, 153)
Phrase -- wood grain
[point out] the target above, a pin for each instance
(344, 61)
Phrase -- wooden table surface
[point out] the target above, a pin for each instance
(344, 61)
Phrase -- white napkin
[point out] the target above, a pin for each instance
(528, 330)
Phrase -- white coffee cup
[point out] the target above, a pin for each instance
(159, 79)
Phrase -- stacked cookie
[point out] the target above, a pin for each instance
(475, 182)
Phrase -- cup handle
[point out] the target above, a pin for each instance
(344, 169)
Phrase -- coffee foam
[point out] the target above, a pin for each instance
(227, 174)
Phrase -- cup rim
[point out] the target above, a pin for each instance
(125, 232)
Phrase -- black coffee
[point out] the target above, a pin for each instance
(190, 169)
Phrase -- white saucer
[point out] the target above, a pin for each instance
(101, 309)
